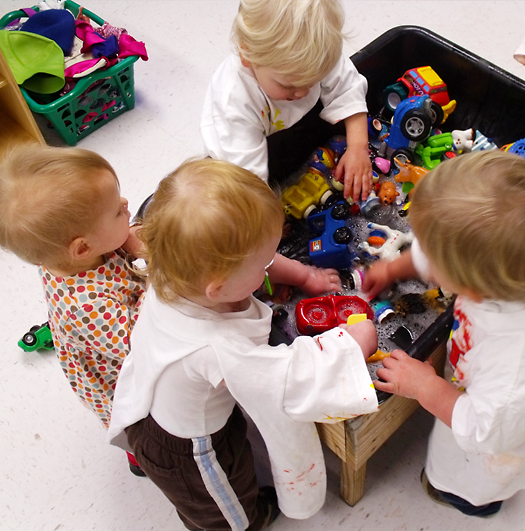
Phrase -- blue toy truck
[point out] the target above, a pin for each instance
(331, 247)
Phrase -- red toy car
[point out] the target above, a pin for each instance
(317, 315)
(420, 82)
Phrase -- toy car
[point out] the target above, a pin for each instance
(38, 337)
(317, 315)
(301, 199)
(331, 247)
(422, 81)
(412, 124)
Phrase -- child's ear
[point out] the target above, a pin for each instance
(245, 62)
(213, 290)
(79, 249)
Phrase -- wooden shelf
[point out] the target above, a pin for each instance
(17, 123)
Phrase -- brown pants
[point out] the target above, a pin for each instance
(210, 480)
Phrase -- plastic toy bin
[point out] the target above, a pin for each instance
(94, 101)
(489, 99)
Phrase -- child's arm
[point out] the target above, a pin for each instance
(365, 335)
(354, 167)
(406, 376)
(383, 273)
(311, 280)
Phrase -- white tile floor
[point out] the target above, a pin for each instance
(57, 472)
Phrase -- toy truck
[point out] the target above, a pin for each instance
(412, 124)
(422, 81)
(331, 247)
(301, 199)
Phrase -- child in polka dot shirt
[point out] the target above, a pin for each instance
(75, 229)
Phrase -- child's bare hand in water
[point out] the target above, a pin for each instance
(321, 281)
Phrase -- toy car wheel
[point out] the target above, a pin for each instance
(325, 196)
(438, 114)
(342, 235)
(393, 95)
(338, 185)
(309, 210)
(29, 339)
(402, 154)
(416, 125)
(341, 211)
(330, 201)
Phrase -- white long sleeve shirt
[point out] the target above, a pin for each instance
(482, 457)
(238, 116)
(180, 354)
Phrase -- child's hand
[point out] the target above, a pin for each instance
(355, 169)
(319, 281)
(133, 245)
(365, 334)
(376, 279)
(404, 375)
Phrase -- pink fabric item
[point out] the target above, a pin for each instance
(129, 46)
(106, 30)
(87, 35)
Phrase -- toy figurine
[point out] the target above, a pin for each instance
(393, 242)
(408, 172)
(463, 140)
(323, 160)
(387, 193)
(370, 204)
(482, 143)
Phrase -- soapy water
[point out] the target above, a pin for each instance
(295, 245)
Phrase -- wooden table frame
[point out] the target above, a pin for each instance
(355, 441)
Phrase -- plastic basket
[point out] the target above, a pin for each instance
(94, 101)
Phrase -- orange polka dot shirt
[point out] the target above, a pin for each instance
(91, 316)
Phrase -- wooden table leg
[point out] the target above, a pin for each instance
(352, 483)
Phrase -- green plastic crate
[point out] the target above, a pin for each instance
(94, 101)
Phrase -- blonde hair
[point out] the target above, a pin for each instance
(48, 197)
(205, 218)
(469, 216)
(299, 38)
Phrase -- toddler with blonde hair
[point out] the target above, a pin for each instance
(288, 57)
(468, 217)
(62, 211)
(201, 345)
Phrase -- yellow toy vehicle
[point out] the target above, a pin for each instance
(301, 199)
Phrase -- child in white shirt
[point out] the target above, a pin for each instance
(201, 345)
(468, 215)
(289, 55)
